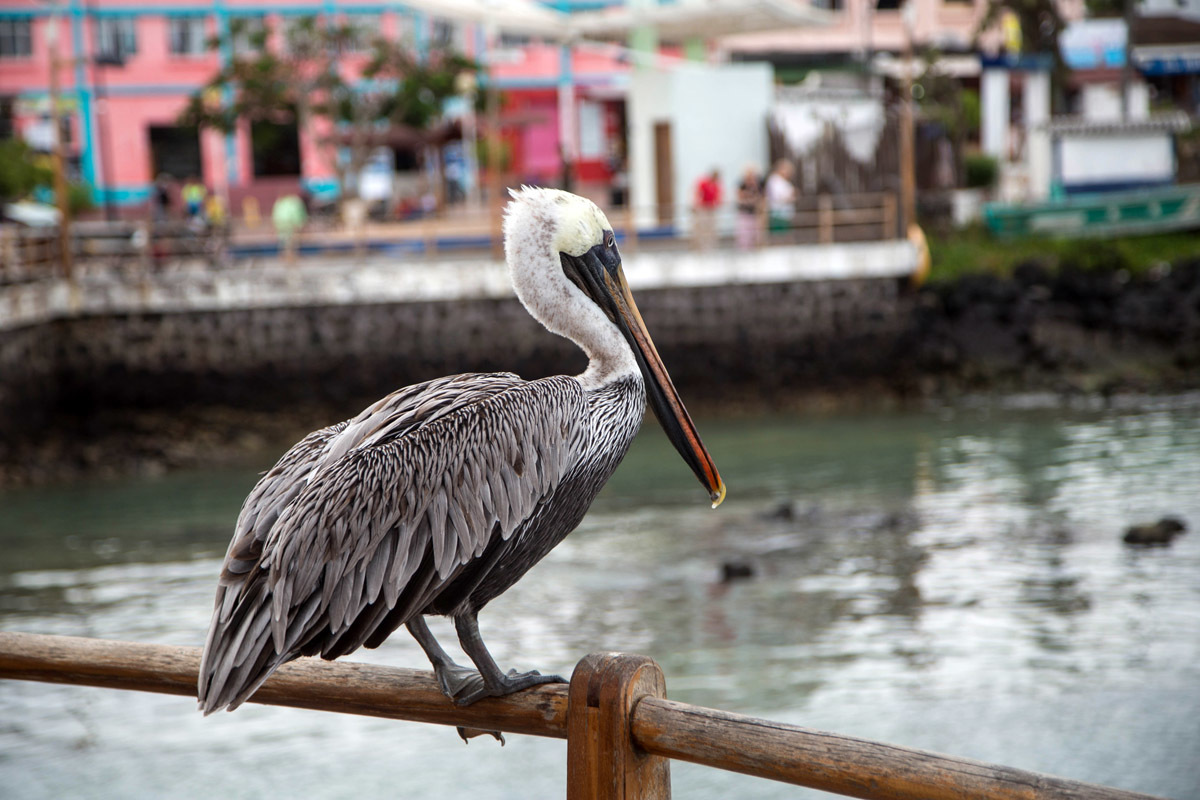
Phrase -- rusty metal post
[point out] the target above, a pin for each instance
(603, 762)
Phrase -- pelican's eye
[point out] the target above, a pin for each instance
(610, 241)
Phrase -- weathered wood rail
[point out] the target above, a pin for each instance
(620, 728)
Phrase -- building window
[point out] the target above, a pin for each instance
(445, 35)
(116, 38)
(187, 36)
(175, 151)
(249, 34)
(16, 40)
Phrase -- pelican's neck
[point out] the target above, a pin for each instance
(551, 299)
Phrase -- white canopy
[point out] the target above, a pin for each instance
(705, 19)
(675, 21)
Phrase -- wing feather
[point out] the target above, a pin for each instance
(331, 538)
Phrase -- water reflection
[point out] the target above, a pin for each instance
(951, 580)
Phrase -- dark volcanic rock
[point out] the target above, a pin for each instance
(1154, 534)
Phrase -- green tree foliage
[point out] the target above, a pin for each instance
(1109, 8)
(304, 81)
(981, 171)
(20, 170)
(1041, 23)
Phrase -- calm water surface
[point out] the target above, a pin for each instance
(951, 579)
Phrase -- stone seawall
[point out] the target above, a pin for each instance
(331, 332)
(712, 338)
(29, 373)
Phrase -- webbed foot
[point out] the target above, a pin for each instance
(466, 686)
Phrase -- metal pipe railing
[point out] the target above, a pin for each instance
(620, 728)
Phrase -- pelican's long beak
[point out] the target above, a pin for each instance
(600, 275)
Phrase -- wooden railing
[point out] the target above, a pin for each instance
(35, 253)
(620, 729)
(27, 254)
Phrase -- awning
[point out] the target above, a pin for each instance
(1168, 59)
(705, 19)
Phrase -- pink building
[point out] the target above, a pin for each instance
(127, 69)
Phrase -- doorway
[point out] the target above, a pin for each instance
(175, 151)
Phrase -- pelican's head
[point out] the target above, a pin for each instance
(566, 270)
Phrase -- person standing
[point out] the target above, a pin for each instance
(288, 216)
(193, 197)
(749, 206)
(781, 196)
(162, 197)
(707, 201)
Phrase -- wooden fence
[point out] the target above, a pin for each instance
(620, 729)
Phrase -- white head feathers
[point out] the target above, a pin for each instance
(578, 223)
(539, 225)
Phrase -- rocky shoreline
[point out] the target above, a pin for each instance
(1069, 333)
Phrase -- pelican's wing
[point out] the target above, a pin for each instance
(392, 506)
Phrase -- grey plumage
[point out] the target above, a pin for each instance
(362, 525)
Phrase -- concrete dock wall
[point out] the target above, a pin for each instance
(326, 332)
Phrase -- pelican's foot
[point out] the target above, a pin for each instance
(459, 682)
(466, 686)
(516, 681)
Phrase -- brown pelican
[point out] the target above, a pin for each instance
(440, 496)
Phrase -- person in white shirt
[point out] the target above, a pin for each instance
(781, 196)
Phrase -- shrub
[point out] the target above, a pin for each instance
(981, 171)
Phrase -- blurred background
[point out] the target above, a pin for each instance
(925, 272)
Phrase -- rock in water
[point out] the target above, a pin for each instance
(1155, 533)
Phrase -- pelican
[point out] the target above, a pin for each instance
(440, 496)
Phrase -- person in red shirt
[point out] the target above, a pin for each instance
(704, 218)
